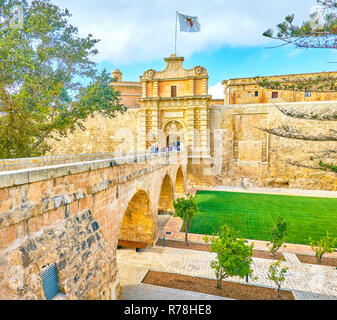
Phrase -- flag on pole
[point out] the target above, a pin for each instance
(188, 23)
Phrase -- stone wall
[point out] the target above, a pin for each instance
(263, 159)
(84, 262)
(101, 134)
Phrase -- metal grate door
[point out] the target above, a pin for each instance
(49, 280)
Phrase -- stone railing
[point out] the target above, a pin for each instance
(26, 163)
(27, 175)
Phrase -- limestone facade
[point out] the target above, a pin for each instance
(101, 135)
(174, 106)
(244, 154)
(222, 139)
(130, 91)
(247, 90)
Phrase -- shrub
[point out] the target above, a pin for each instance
(186, 208)
(277, 274)
(233, 258)
(325, 245)
(278, 236)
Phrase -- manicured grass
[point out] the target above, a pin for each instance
(255, 215)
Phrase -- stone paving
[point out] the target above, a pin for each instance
(291, 258)
(305, 280)
(149, 292)
(131, 277)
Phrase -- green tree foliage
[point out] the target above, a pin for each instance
(325, 245)
(278, 236)
(186, 208)
(233, 258)
(277, 274)
(48, 83)
(319, 31)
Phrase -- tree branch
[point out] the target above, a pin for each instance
(323, 114)
(292, 133)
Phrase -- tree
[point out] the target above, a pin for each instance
(319, 31)
(277, 274)
(48, 83)
(186, 208)
(233, 258)
(278, 236)
(325, 245)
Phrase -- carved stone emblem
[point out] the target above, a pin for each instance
(200, 71)
(149, 74)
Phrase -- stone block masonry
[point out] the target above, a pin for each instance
(73, 215)
(84, 262)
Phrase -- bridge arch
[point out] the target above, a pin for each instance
(137, 224)
(165, 203)
(180, 185)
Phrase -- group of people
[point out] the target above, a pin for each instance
(175, 146)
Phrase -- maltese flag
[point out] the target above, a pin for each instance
(188, 24)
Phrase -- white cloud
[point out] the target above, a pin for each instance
(216, 91)
(138, 31)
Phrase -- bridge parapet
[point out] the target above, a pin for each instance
(25, 163)
(30, 192)
(29, 174)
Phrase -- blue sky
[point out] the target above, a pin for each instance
(137, 34)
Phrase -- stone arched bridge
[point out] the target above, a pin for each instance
(73, 215)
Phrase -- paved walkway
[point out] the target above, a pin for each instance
(306, 281)
(131, 276)
(149, 292)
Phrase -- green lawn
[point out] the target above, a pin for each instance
(255, 215)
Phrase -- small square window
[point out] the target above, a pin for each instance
(256, 93)
(274, 95)
(307, 94)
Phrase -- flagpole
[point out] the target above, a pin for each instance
(175, 43)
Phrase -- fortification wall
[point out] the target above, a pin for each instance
(260, 158)
(101, 135)
(263, 159)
